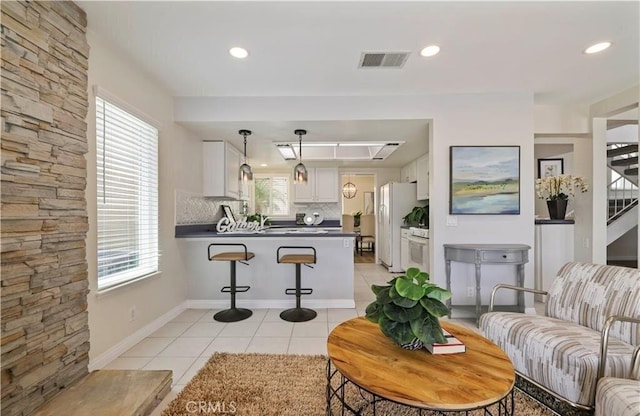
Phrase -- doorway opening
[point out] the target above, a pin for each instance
(359, 213)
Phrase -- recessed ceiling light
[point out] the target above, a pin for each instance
(239, 53)
(264, 165)
(598, 47)
(430, 50)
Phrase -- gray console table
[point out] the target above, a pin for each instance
(480, 254)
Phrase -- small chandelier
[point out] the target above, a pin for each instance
(349, 189)
(300, 174)
(245, 170)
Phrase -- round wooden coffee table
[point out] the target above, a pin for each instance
(361, 355)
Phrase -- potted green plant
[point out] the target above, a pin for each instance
(417, 216)
(258, 218)
(408, 308)
(356, 218)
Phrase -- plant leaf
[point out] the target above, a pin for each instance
(400, 314)
(412, 272)
(416, 312)
(428, 330)
(376, 289)
(401, 333)
(438, 293)
(383, 296)
(373, 312)
(400, 300)
(434, 307)
(408, 289)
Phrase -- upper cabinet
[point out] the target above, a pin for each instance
(422, 171)
(409, 173)
(322, 186)
(220, 167)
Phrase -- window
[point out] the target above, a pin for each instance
(271, 195)
(127, 175)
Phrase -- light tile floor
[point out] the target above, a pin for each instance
(185, 344)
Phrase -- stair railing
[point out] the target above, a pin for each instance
(622, 196)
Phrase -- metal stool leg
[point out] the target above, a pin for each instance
(299, 314)
(232, 314)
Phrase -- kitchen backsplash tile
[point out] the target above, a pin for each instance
(330, 211)
(193, 208)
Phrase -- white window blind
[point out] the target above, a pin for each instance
(271, 195)
(127, 174)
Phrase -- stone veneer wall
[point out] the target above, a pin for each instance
(45, 332)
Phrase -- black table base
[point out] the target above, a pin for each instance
(372, 404)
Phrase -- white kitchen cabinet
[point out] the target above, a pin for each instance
(220, 167)
(409, 173)
(422, 170)
(322, 186)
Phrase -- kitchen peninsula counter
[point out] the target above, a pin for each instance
(331, 278)
(209, 230)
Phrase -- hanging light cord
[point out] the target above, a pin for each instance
(245, 147)
(300, 147)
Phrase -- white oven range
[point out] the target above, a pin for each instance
(418, 240)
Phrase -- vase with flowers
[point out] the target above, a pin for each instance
(557, 190)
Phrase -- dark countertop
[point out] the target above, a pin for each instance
(289, 229)
(548, 221)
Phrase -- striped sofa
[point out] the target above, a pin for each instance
(560, 352)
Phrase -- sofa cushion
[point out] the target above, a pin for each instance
(587, 294)
(618, 396)
(559, 355)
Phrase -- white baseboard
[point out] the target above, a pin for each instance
(271, 303)
(122, 346)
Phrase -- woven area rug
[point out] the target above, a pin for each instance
(281, 385)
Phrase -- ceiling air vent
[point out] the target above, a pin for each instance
(383, 59)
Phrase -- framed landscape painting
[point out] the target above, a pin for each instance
(484, 180)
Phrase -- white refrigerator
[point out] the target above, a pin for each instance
(397, 199)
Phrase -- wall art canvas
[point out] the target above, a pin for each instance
(550, 167)
(484, 180)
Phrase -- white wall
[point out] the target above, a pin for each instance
(625, 247)
(554, 119)
(180, 167)
(458, 119)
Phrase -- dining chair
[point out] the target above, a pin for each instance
(367, 232)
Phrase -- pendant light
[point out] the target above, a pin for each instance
(300, 174)
(349, 189)
(245, 170)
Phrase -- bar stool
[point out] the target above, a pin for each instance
(232, 314)
(298, 314)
